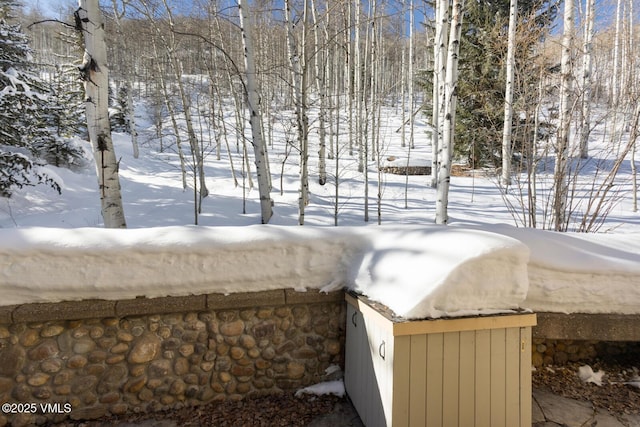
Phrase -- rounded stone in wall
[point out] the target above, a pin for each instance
(137, 370)
(283, 311)
(5, 385)
(29, 338)
(38, 379)
(96, 332)
(237, 353)
(186, 350)
(232, 329)
(135, 385)
(46, 349)
(124, 336)
(51, 331)
(295, 370)
(77, 361)
(51, 366)
(181, 366)
(110, 398)
(247, 341)
(4, 332)
(145, 395)
(119, 409)
(144, 349)
(159, 368)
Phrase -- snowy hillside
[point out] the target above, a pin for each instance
(153, 195)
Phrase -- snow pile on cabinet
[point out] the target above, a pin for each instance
(417, 271)
(437, 271)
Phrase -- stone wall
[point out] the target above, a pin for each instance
(153, 354)
(559, 352)
(579, 337)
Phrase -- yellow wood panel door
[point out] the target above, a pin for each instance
(467, 379)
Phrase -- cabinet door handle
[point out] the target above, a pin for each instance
(382, 350)
(353, 318)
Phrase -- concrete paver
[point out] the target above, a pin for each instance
(563, 411)
(551, 410)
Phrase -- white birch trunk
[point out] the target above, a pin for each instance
(320, 69)
(412, 120)
(303, 199)
(96, 83)
(634, 95)
(587, 68)
(196, 150)
(349, 71)
(357, 76)
(403, 85)
(615, 84)
(440, 69)
(508, 95)
(561, 167)
(259, 146)
(298, 74)
(634, 178)
(130, 113)
(131, 121)
(450, 95)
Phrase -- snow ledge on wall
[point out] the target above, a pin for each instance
(417, 271)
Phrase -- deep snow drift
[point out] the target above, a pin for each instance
(417, 271)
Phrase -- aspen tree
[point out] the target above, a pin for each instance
(403, 79)
(259, 146)
(508, 96)
(130, 116)
(332, 80)
(358, 67)
(615, 84)
(562, 144)
(303, 199)
(586, 81)
(95, 74)
(170, 45)
(196, 152)
(450, 96)
(412, 100)
(350, 74)
(298, 64)
(440, 44)
(634, 95)
(634, 178)
(320, 80)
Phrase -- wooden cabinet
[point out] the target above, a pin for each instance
(466, 372)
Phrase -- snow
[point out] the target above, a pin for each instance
(53, 249)
(435, 271)
(417, 271)
(577, 272)
(634, 382)
(335, 388)
(46, 265)
(586, 374)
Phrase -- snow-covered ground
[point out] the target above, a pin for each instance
(51, 247)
